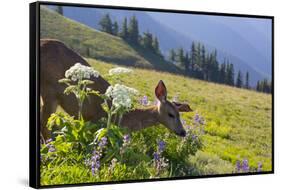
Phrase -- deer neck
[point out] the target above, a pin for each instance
(140, 118)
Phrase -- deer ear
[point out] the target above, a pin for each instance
(161, 91)
(182, 107)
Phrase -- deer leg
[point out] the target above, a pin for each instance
(49, 107)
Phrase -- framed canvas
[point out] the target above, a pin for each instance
(123, 94)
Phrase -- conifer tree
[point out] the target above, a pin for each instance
(258, 88)
(147, 41)
(193, 57)
(204, 63)
(106, 24)
(124, 29)
(115, 28)
(133, 31)
(239, 81)
(60, 10)
(230, 74)
(172, 55)
(186, 63)
(180, 56)
(155, 45)
(222, 73)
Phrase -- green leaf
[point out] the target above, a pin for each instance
(58, 121)
(87, 82)
(64, 80)
(70, 89)
(100, 133)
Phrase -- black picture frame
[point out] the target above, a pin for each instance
(34, 91)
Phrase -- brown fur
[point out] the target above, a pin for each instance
(140, 118)
(56, 58)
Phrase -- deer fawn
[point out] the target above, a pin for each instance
(56, 58)
(165, 112)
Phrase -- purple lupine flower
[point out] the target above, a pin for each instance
(159, 161)
(144, 100)
(49, 140)
(103, 142)
(198, 119)
(245, 165)
(259, 167)
(238, 165)
(95, 162)
(194, 137)
(161, 146)
(126, 139)
(156, 156)
(52, 149)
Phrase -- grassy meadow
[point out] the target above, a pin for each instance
(237, 126)
(238, 121)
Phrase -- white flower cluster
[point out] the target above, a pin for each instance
(119, 70)
(78, 72)
(121, 95)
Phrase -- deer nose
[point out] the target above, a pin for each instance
(182, 134)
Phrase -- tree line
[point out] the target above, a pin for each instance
(59, 9)
(264, 86)
(204, 65)
(129, 31)
(197, 63)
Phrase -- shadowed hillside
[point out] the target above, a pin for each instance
(95, 44)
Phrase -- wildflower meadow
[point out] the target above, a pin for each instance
(214, 96)
(82, 152)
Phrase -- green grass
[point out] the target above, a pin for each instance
(238, 121)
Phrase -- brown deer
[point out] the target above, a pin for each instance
(165, 112)
(56, 58)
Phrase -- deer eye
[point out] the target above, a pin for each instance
(171, 115)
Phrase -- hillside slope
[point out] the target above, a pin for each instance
(95, 44)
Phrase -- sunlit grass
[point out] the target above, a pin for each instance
(238, 121)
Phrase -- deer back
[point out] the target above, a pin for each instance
(55, 59)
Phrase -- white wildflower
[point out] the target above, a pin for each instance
(79, 72)
(119, 70)
(121, 95)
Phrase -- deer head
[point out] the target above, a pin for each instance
(169, 111)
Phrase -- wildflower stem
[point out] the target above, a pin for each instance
(80, 101)
(80, 105)
(109, 117)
